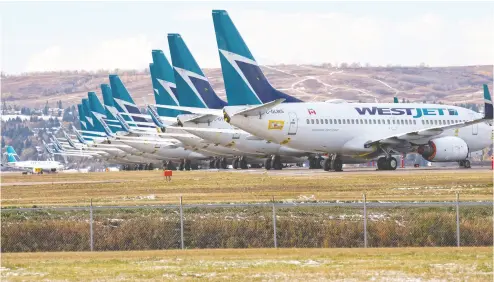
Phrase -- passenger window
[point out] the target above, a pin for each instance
(326, 120)
(394, 122)
(379, 121)
(389, 122)
(339, 121)
(312, 121)
(361, 121)
(402, 122)
(423, 122)
(348, 121)
(334, 121)
(353, 121)
(356, 121)
(317, 121)
(308, 121)
(406, 121)
(414, 122)
(343, 121)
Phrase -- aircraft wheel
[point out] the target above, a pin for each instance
(337, 164)
(223, 163)
(235, 163)
(243, 163)
(217, 163)
(267, 164)
(466, 164)
(326, 164)
(312, 163)
(381, 163)
(276, 163)
(170, 166)
(391, 163)
(182, 165)
(187, 165)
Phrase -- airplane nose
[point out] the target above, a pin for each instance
(195, 155)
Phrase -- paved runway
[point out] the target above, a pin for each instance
(296, 171)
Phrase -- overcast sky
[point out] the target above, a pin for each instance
(92, 35)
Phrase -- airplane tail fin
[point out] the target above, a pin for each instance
(163, 85)
(194, 89)
(82, 117)
(487, 103)
(87, 114)
(395, 100)
(12, 156)
(245, 82)
(119, 91)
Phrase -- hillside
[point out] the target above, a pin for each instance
(449, 85)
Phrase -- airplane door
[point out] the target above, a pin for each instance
(475, 127)
(292, 130)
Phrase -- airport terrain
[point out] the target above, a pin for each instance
(384, 264)
(210, 186)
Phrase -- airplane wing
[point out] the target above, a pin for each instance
(425, 134)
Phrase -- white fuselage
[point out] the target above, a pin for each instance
(240, 140)
(322, 127)
(32, 165)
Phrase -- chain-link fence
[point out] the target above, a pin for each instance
(261, 225)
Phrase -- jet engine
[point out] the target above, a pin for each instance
(444, 149)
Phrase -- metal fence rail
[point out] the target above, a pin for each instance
(244, 225)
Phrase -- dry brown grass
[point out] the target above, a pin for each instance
(396, 264)
(149, 187)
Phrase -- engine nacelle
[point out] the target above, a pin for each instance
(444, 149)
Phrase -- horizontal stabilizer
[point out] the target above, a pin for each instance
(196, 118)
(259, 109)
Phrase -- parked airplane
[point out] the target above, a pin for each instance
(344, 130)
(13, 161)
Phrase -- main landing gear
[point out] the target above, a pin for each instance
(333, 163)
(465, 164)
(387, 163)
(315, 163)
(273, 163)
(239, 162)
(185, 165)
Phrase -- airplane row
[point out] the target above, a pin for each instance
(259, 125)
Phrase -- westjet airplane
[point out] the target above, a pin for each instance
(194, 90)
(14, 162)
(345, 131)
(358, 130)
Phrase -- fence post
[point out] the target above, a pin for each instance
(365, 221)
(457, 219)
(91, 237)
(274, 226)
(181, 225)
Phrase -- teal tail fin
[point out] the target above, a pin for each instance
(12, 156)
(194, 89)
(245, 83)
(487, 103)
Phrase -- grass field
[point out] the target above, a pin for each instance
(149, 187)
(396, 264)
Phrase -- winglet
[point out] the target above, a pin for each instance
(395, 100)
(487, 103)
